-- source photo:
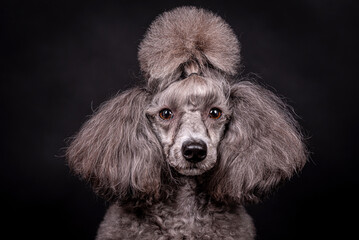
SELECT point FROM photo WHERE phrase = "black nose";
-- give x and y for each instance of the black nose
(194, 151)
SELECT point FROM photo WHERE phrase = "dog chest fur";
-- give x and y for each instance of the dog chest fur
(188, 214)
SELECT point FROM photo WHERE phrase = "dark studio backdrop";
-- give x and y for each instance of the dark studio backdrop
(62, 59)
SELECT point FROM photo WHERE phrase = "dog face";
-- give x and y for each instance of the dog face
(189, 118)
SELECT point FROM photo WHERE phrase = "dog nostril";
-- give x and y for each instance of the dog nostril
(194, 151)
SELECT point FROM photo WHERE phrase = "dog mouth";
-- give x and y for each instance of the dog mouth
(190, 169)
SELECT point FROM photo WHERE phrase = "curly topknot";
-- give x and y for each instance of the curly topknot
(188, 34)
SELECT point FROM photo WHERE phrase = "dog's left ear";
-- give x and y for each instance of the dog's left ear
(261, 146)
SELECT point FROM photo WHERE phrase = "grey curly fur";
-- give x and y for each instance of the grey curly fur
(133, 158)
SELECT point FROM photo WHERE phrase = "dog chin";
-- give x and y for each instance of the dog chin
(192, 170)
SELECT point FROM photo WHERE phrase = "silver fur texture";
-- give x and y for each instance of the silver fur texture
(137, 149)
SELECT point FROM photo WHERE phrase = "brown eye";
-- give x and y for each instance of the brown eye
(166, 114)
(215, 113)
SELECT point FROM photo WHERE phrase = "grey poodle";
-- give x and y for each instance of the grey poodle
(179, 156)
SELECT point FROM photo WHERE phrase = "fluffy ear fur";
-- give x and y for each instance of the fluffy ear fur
(183, 35)
(261, 147)
(116, 149)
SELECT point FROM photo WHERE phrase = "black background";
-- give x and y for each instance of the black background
(62, 59)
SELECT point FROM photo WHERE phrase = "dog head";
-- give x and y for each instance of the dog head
(190, 117)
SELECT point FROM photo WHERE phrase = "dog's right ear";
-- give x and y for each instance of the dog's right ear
(117, 151)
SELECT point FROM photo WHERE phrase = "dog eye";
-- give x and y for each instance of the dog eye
(215, 113)
(166, 114)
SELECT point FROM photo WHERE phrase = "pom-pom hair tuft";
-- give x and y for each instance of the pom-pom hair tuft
(185, 35)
